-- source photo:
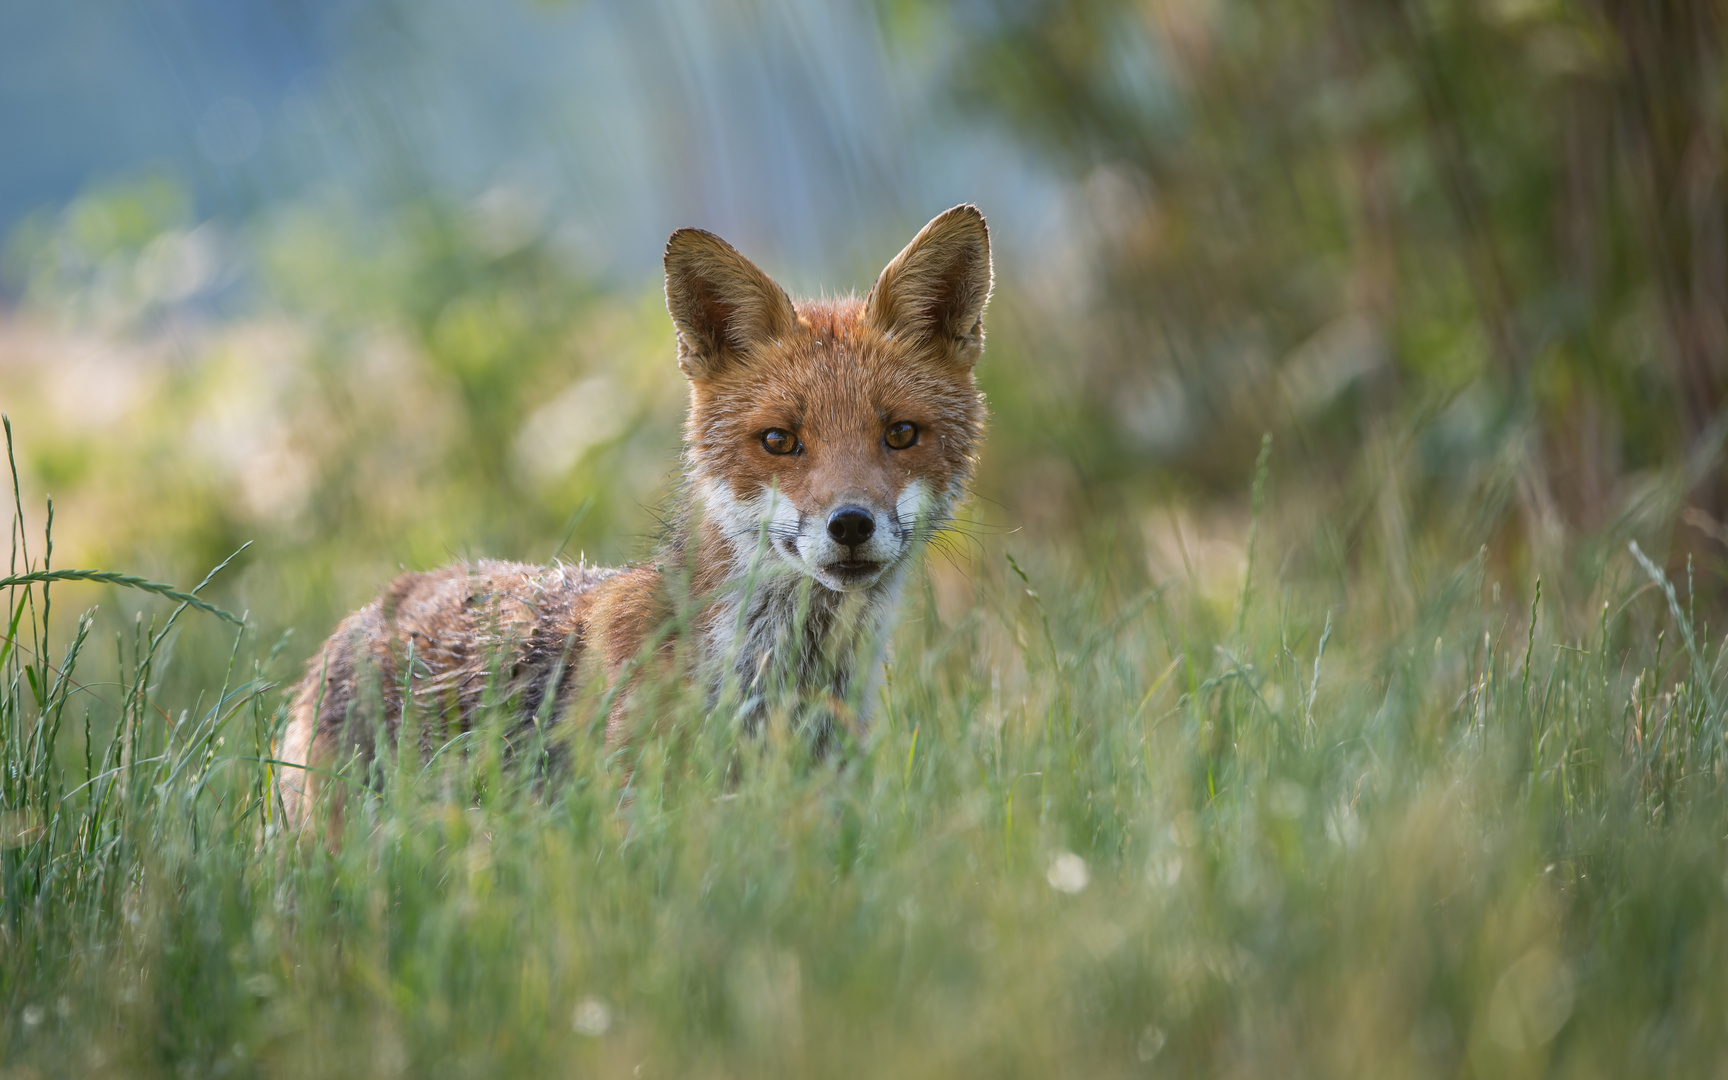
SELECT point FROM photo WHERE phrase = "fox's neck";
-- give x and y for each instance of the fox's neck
(771, 637)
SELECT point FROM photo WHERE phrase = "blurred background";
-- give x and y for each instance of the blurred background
(375, 283)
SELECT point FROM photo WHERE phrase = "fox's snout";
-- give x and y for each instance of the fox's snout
(846, 543)
(853, 553)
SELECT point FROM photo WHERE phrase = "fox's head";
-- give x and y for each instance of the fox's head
(835, 434)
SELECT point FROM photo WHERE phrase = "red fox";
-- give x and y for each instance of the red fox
(826, 441)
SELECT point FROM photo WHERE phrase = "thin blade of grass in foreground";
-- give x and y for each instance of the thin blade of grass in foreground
(129, 581)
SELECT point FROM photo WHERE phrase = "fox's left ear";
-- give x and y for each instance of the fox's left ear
(933, 293)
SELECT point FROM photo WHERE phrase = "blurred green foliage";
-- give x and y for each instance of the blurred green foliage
(408, 391)
(1461, 259)
(1483, 244)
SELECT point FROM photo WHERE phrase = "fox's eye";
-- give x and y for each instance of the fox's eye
(778, 441)
(901, 435)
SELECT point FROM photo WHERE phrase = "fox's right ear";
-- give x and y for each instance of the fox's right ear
(721, 304)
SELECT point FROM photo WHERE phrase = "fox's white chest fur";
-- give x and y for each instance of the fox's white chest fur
(781, 642)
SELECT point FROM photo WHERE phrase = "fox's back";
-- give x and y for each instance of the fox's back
(448, 638)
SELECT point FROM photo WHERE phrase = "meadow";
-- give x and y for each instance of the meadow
(1324, 678)
(1139, 803)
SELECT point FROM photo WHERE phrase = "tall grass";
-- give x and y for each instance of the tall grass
(1103, 825)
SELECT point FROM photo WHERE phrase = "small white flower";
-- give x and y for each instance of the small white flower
(1067, 873)
(1532, 1001)
(591, 1017)
(1151, 1041)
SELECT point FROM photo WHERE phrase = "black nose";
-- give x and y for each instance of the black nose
(851, 525)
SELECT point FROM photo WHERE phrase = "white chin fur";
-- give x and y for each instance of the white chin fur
(851, 583)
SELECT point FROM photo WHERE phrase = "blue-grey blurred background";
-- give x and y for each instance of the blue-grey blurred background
(796, 129)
